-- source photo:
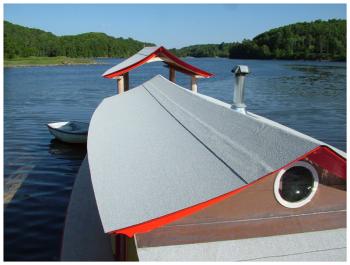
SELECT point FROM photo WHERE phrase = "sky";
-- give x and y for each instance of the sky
(170, 25)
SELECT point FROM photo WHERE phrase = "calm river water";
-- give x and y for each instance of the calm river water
(307, 96)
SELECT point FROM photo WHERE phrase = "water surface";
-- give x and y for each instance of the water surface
(39, 172)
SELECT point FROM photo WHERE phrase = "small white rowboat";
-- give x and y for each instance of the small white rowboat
(69, 131)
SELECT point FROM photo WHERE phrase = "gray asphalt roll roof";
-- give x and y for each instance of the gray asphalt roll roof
(160, 148)
(84, 239)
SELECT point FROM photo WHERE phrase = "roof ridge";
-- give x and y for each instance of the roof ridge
(196, 137)
(227, 141)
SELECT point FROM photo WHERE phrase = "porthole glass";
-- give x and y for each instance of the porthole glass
(296, 185)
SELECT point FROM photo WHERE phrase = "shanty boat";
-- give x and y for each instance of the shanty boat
(183, 176)
(69, 131)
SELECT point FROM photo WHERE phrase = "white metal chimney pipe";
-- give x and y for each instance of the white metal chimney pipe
(240, 71)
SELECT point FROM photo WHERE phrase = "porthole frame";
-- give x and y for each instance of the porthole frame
(304, 201)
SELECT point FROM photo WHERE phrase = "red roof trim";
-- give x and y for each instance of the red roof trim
(192, 68)
(328, 159)
(167, 54)
(322, 155)
(181, 70)
(129, 68)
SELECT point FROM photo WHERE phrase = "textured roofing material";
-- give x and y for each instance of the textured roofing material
(131, 60)
(146, 55)
(161, 148)
(82, 216)
(328, 245)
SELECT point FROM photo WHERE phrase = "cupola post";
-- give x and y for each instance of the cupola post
(171, 74)
(126, 81)
(120, 84)
(194, 87)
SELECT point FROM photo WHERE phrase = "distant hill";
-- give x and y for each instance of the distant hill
(318, 40)
(204, 50)
(21, 41)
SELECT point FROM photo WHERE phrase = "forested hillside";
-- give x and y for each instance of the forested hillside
(204, 50)
(23, 42)
(318, 40)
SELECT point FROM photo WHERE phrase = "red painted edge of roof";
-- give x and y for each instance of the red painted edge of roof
(166, 53)
(321, 155)
(184, 64)
(129, 68)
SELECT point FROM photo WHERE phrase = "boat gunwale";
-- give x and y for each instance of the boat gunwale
(85, 132)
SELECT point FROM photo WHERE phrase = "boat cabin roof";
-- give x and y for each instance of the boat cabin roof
(151, 54)
(161, 152)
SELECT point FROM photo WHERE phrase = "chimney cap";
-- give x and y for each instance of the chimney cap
(240, 70)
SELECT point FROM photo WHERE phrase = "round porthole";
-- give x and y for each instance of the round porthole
(296, 185)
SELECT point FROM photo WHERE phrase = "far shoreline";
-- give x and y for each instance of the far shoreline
(33, 61)
(48, 65)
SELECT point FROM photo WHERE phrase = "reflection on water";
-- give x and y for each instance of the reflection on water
(34, 214)
(317, 79)
(39, 172)
(63, 150)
